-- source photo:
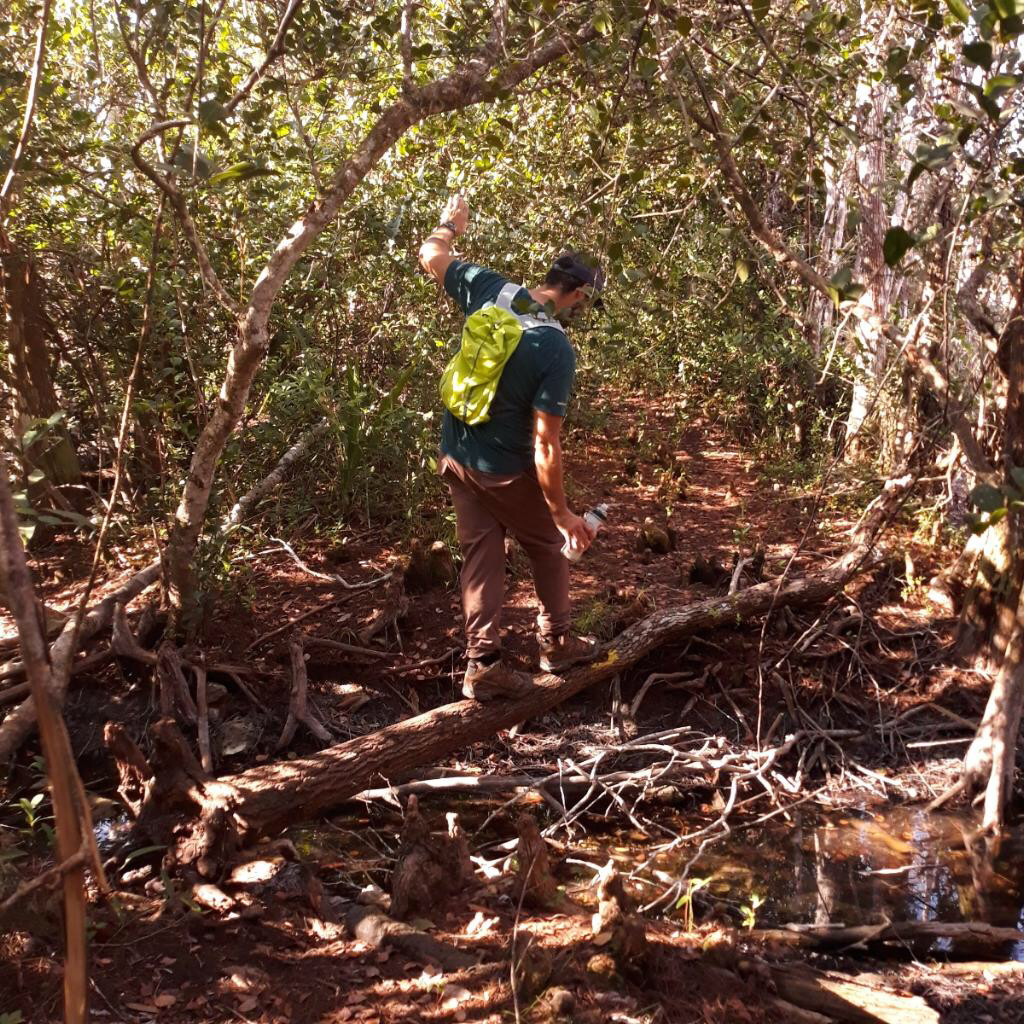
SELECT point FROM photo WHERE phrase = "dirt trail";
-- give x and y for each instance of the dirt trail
(160, 957)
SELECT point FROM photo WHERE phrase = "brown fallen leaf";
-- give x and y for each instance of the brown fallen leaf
(165, 999)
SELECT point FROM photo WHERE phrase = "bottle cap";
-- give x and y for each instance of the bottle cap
(600, 512)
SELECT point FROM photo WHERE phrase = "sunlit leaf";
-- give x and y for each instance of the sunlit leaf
(242, 171)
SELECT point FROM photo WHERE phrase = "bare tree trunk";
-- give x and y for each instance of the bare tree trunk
(35, 397)
(869, 353)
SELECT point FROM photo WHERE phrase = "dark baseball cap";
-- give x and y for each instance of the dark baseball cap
(572, 264)
(591, 278)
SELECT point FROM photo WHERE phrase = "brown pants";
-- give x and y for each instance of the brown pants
(486, 507)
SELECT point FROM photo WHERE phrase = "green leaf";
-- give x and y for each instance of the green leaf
(760, 8)
(603, 23)
(959, 10)
(896, 244)
(36, 476)
(242, 171)
(684, 25)
(1008, 8)
(212, 111)
(997, 85)
(979, 53)
(987, 498)
(1017, 476)
(742, 270)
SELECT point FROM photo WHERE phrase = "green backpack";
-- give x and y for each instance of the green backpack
(489, 337)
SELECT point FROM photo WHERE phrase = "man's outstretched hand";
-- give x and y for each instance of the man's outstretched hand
(457, 211)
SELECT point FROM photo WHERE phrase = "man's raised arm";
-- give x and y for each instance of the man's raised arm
(436, 252)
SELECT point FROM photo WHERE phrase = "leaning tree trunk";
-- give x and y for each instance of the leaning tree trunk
(35, 397)
(990, 761)
(482, 78)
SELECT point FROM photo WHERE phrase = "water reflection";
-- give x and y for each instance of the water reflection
(903, 864)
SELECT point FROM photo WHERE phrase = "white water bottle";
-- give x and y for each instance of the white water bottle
(596, 519)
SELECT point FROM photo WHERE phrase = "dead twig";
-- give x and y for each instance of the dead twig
(203, 738)
(298, 707)
(76, 860)
(340, 645)
(292, 623)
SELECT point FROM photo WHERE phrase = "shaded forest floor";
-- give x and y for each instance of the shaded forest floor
(159, 953)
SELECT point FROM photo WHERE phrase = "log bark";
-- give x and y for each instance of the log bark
(846, 1000)
(272, 796)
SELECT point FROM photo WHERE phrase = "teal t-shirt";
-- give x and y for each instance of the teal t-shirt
(538, 375)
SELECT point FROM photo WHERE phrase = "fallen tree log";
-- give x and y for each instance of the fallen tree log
(270, 797)
(20, 722)
(832, 937)
(848, 1000)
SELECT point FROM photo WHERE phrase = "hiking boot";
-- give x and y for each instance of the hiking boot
(558, 653)
(486, 682)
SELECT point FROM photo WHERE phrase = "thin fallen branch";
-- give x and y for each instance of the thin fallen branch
(817, 936)
(203, 723)
(48, 877)
(19, 723)
(298, 706)
(292, 623)
(251, 498)
(341, 645)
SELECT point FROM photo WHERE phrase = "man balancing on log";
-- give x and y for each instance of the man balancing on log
(505, 394)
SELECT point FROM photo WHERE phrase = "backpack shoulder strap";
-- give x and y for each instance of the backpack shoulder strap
(505, 299)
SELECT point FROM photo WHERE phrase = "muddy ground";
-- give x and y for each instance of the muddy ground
(159, 954)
